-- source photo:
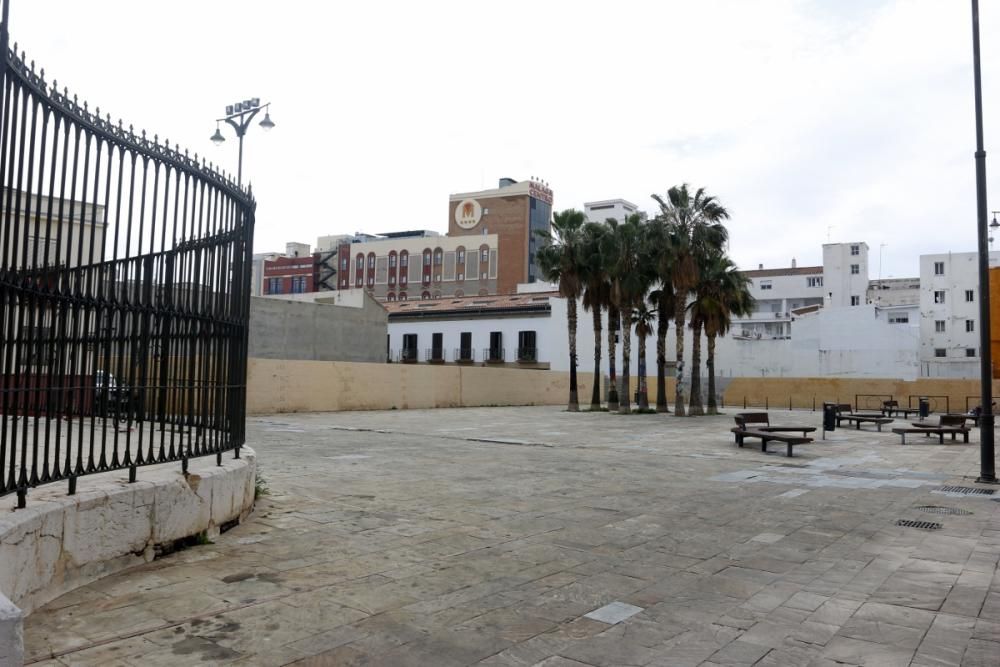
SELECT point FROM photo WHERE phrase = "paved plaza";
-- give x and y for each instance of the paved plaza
(532, 536)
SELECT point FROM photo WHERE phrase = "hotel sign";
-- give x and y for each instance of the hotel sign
(539, 191)
(468, 213)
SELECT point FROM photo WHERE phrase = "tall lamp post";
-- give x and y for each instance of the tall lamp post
(239, 116)
(987, 464)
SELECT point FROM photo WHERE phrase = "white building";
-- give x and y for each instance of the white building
(777, 293)
(600, 211)
(845, 273)
(949, 314)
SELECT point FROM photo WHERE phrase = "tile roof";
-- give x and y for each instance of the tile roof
(498, 302)
(789, 271)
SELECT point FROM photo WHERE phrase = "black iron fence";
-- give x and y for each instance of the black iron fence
(124, 278)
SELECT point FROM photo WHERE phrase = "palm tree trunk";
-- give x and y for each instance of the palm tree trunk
(679, 336)
(713, 408)
(662, 324)
(696, 405)
(643, 396)
(595, 395)
(574, 403)
(623, 404)
(612, 376)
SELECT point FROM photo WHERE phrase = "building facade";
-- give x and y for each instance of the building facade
(515, 212)
(618, 209)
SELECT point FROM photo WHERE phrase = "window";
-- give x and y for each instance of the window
(765, 284)
(526, 349)
(460, 277)
(358, 282)
(939, 296)
(899, 319)
(939, 352)
(855, 300)
(814, 281)
(402, 279)
(274, 286)
(427, 259)
(371, 261)
(298, 284)
(402, 296)
(969, 298)
(496, 346)
(938, 268)
(361, 262)
(437, 347)
(465, 346)
(343, 263)
(437, 258)
(409, 351)
(970, 325)
(392, 280)
(970, 351)
(39, 353)
(484, 256)
(855, 250)
(855, 269)
(404, 259)
(392, 261)
(938, 326)
(483, 277)
(461, 257)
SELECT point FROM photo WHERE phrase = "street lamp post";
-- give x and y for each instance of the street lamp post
(239, 116)
(994, 226)
(987, 469)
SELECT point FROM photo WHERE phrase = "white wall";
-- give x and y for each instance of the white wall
(838, 282)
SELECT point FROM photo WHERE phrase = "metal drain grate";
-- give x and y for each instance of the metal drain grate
(966, 490)
(925, 525)
(934, 509)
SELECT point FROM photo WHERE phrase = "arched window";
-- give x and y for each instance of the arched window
(404, 258)
(427, 257)
(402, 296)
(460, 254)
(425, 295)
(438, 256)
(390, 296)
(371, 260)
(361, 261)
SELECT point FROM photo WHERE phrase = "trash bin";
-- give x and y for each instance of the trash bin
(925, 407)
(829, 416)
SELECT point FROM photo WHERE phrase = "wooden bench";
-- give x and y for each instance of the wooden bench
(947, 425)
(860, 419)
(758, 425)
(890, 407)
(760, 421)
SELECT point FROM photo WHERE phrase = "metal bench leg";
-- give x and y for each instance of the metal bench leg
(789, 453)
(903, 435)
(966, 434)
(763, 446)
(940, 438)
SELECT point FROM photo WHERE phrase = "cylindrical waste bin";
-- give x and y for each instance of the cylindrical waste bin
(925, 407)
(829, 416)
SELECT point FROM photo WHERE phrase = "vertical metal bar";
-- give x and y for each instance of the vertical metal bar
(987, 463)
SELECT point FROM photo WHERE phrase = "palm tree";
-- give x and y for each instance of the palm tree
(727, 294)
(559, 260)
(629, 271)
(693, 229)
(662, 300)
(614, 326)
(596, 296)
(643, 318)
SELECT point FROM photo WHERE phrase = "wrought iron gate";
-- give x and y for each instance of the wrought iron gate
(124, 278)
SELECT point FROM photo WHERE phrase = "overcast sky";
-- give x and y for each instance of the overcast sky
(847, 120)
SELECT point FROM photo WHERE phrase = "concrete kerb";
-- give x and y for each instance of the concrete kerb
(59, 543)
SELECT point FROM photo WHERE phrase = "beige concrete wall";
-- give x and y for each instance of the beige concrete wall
(285, 385)
(776, 392)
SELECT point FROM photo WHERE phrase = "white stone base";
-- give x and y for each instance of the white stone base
(60, 542)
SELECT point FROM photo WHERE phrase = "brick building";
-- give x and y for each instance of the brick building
(514, 212)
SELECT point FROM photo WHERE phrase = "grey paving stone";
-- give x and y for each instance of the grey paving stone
(616, 612)
(409, 543)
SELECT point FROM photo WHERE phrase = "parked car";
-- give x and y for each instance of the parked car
(113, 398)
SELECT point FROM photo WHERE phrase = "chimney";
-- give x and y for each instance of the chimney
(760, 267)
(793, 262)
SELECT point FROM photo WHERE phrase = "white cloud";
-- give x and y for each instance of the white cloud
(802, 116)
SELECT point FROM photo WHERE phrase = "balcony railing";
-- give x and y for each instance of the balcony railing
(527, 354)
(434, 355)
(465, 355)
(493, 355)
(408, 355)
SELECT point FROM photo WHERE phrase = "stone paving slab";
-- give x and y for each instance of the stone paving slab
(487, 536)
